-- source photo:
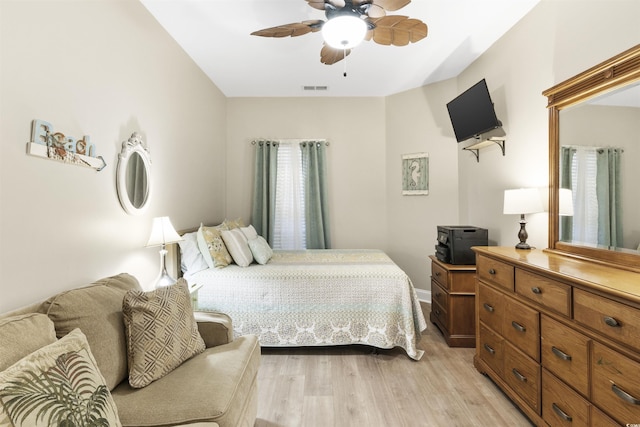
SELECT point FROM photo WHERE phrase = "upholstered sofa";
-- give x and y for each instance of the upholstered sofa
(216, 387)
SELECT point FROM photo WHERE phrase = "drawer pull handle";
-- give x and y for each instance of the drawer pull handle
(488, 307)
(437, 274)
(518, 327)
(492, 271)
(561, 413)
(536, 290)
(489, 349)
(438, 294)
(561, 354)
(612, 322)
(437, 312)
(518, 375)
(624, 395)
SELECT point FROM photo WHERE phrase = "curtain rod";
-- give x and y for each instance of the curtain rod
(291, 141)
(592, 147)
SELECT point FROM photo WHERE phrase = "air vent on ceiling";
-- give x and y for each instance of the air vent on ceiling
(315, 88)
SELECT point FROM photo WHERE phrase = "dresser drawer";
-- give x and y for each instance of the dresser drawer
(495, 272)
(549, 293)
(561, 406)
(613, 319)
(439, 314)
(599, 419)
(565, 352)
(490, 307)
(439, 295)
(440, 275)
(522, 327)
(491, 346)
(463, 282)
(523, 375)
(615, 387)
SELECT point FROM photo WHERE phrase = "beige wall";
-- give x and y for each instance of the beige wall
(355, 129)
(102, 68)
(555, 41)
(417, 121)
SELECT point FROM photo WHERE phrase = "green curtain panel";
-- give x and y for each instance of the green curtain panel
(316, 210)
(608, 194)
(264, 188)
(566, 222)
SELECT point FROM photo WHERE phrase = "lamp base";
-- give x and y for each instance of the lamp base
(523, 235)
(163, 279)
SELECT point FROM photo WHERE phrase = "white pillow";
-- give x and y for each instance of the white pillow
(260, 250)
(249, 232)
(191, 259)
(237, 246)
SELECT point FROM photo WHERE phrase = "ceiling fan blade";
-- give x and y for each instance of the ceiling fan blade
(375, 11)
(397, 30)
(330, 55)
(320, 4)
(292, 30)
(391, 4)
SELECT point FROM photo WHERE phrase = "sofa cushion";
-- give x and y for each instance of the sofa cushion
(214, 386)
(97, 311)
(30, 389)
(161, 332)
(22, 335)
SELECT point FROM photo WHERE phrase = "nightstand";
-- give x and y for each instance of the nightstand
(453, 302)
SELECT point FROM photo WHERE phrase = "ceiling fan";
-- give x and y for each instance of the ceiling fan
(396, 30)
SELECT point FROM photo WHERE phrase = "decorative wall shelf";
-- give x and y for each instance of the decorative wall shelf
(39, 150)
(476, 146)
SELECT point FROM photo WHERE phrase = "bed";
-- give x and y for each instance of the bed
(317, 298)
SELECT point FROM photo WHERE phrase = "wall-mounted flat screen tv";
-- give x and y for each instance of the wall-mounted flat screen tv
(472, 112)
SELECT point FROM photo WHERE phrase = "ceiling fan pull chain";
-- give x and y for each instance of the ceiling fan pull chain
(344, 53)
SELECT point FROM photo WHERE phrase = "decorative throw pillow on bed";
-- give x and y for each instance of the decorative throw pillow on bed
(55, 384)
(233, 223)
(212, 246)
(161, 332)
(191, 259)
(249, 232)
(237, 245)
(260, 250)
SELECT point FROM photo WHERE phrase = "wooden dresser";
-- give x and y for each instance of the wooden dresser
(453, 302)
(560, 336)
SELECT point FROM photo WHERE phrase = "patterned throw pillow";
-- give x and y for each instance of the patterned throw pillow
(59, 384)
(212, 246)
(230, 224)
(161, 332)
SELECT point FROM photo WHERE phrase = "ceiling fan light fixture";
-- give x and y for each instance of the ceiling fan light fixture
(344, 31)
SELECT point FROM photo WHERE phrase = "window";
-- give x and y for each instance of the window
(289, 221)
(290, 194)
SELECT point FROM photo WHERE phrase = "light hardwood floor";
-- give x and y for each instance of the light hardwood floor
(355, 386)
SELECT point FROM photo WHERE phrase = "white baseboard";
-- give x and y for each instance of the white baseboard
(424, 295)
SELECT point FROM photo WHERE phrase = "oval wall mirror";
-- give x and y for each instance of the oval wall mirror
(133, 175)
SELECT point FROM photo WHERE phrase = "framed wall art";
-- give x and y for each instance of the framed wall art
(415, 174)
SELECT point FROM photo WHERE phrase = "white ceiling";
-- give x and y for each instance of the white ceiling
(216, 34)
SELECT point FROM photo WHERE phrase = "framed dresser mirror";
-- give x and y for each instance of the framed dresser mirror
(594, 157)
(133, 175)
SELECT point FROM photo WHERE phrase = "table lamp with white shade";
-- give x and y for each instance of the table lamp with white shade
(522, 201)
(162, 234)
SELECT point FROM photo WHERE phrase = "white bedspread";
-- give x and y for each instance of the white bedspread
(316, 298)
